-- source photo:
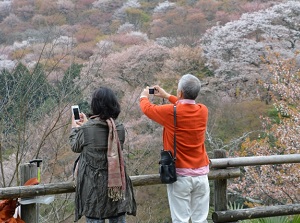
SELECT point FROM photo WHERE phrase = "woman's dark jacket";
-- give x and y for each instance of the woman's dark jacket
(91, 196)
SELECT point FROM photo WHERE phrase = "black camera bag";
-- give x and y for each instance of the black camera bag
(167, 168)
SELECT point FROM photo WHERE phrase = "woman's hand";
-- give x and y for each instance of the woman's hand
(83, 119)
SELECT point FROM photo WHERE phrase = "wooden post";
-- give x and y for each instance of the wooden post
(220, 186)
(29, 212)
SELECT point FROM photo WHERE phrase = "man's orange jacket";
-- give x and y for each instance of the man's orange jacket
(190, 130)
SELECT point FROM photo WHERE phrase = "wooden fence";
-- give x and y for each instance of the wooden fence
(222, 168)
(221, 214)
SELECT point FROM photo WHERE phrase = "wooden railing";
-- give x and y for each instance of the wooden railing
(221, 214)
(222, 168)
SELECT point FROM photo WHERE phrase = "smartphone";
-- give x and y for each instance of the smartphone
(75, 112)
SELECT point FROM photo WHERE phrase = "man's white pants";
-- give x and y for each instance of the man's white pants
(189, 199)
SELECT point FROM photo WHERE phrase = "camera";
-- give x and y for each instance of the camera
(151, 90)
(75, 112)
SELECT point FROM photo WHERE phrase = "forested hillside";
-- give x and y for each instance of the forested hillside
(55, 53)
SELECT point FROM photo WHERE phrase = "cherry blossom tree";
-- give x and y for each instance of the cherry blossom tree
(237, 47)
(183, 25)
(131, 67)
(182, 60)
(121, 12)
(65, 6)
(276, 184)
(163, 7)
(5, 9)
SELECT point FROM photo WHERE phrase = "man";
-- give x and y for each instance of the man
(189, 195)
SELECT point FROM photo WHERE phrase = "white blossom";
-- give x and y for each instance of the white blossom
(104, 47)
(5, 6)
(138, 34)
(164, 6)
(20, 45)
(121, 12)
(64, 41)
(125, 28)
(165, 41)
(7, 64)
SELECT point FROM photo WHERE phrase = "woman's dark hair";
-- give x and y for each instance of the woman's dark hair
(105, 104)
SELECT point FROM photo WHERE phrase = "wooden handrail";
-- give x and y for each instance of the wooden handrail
(69, 187)
(257, 212)
(254, 160)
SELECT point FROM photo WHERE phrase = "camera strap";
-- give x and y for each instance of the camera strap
(174, 132)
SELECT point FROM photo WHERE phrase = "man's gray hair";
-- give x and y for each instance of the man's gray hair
(190, 86)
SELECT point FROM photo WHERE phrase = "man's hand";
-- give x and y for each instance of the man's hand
(160, 92)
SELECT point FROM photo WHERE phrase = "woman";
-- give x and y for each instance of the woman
(103, 189)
